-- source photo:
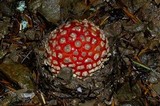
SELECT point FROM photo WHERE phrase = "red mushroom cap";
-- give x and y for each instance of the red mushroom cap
(80, 45)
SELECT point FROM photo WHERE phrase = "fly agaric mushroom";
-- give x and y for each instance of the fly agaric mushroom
(80, 45)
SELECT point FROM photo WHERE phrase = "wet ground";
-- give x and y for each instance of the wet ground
(130, 77)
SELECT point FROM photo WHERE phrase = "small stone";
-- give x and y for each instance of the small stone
(65, 73)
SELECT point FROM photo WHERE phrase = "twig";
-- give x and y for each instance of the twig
(26, 56)
(147, 68)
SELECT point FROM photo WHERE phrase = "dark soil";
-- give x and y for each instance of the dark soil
(131, 76)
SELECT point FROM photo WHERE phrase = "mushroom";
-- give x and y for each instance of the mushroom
(80, 45)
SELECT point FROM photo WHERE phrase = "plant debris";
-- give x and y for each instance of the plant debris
(131, 76)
